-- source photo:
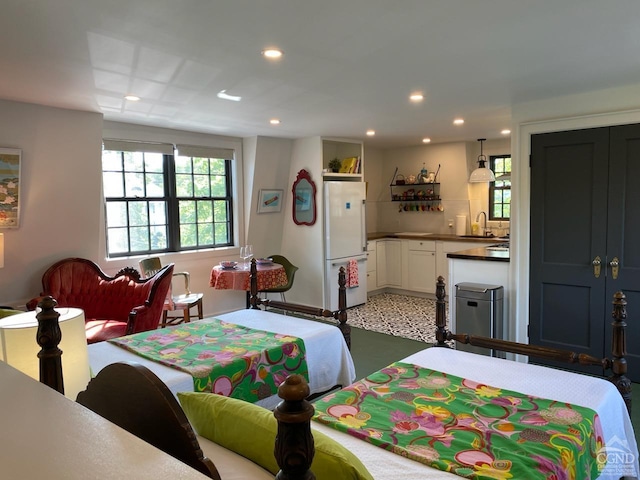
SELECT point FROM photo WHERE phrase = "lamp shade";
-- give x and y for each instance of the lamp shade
(19, 348)
(482, 174)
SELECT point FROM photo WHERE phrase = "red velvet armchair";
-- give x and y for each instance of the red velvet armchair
(113, 306)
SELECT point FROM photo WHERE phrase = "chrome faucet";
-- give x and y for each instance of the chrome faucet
(484, 228)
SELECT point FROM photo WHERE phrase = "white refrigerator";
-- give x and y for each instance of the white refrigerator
(345, 239)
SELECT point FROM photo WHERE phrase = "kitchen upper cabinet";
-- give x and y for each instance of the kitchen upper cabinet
(421, 266)
(585, 239)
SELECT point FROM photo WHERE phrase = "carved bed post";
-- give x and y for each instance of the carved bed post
(48, 337)
(294, 447)
(619, 348)
(342, 307)
(441, 314)
(253, 280)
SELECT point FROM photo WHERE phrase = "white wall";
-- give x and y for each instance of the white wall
(376, 187)
(456, 161)
(267, 165)
(60, 193)
(303, 244)
(61, 199)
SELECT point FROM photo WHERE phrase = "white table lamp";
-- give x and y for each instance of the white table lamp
(19, 348)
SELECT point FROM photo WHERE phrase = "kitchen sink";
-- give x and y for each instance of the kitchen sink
(498, 248)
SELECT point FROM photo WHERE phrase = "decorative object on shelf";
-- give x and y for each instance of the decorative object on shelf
(423, 176)
(269, 200)
(304, 199)
(420, 207)
(335, 165)
(349, 165)
(426, 194)
(398, 178)
(10, 187)
(435, 177)
(482, 173)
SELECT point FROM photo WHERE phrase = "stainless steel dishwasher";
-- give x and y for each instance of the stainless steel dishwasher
(479, 310)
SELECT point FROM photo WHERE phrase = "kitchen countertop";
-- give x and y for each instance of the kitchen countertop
(435, 236)
(484, 252)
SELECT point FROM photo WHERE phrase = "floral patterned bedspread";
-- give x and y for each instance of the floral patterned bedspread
(222, 357)
(467, 428)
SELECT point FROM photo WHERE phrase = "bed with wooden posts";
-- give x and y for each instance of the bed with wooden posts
(322, 346)
(500, 383)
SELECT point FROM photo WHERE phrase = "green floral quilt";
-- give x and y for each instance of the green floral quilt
(222, 357)
(467, 428)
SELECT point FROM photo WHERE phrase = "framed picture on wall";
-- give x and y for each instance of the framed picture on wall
(270, 200)
(10, 187)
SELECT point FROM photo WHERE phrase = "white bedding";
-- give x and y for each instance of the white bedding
(328, 357)
(595, 393)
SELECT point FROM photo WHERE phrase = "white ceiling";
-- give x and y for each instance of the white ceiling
(348, 65)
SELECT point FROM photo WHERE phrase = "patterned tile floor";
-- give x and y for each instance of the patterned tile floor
(398, 315)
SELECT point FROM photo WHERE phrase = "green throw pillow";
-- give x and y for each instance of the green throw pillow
(6, 312)
(250, 431)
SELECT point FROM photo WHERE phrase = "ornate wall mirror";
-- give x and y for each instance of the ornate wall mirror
(304, 199)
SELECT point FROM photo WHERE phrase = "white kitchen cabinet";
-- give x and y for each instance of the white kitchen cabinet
(411, 265)
(372, 277)
(389, 263)
(420, 266)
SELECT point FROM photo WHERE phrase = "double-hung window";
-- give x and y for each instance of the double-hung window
(161, 198)
(500, 190)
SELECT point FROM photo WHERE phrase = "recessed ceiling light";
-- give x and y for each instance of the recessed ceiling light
(132, 98)
(272, 53)
(274, 121)
(506, 131)
(458, 121)
(371, 133)
(225, 96)
(426, 140)
(416, 97)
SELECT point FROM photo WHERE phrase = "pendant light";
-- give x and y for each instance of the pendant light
(482, 173)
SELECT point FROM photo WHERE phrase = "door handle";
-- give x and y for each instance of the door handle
(615, 265)
(597, 262)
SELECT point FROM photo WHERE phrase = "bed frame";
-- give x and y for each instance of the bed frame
(294, 448)
(617, 364)
(340, 315)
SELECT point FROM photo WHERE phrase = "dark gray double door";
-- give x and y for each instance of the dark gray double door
(585, 217)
